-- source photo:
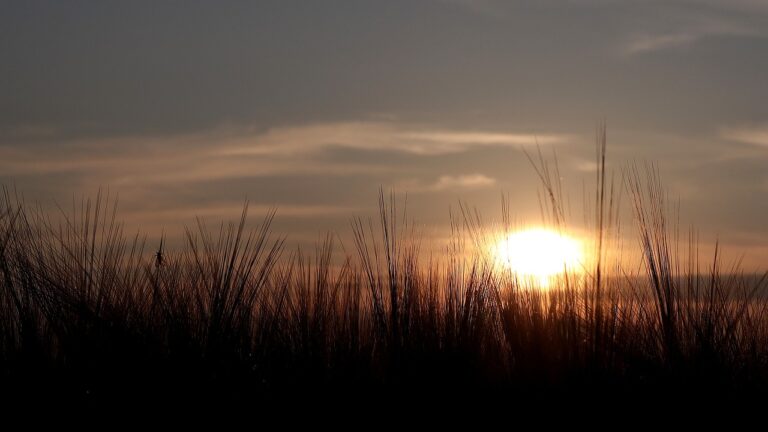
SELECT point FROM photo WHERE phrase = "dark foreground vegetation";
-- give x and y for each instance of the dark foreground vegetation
(89, 314)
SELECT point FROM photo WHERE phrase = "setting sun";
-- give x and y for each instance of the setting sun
(539, 254)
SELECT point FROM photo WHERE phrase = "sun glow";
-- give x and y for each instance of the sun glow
(539, 254)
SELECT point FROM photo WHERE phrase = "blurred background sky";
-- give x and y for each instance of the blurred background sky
(187, 108)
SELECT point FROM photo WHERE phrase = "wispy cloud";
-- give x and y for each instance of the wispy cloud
(228, 210)
(757, 136)
(687, 30)
(167, 163)
(380, 136)
(472, 181)
(583, 165)
(447, 183)
(245, 152)
(647, 43)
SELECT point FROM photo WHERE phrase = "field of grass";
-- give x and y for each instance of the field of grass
(89, 314)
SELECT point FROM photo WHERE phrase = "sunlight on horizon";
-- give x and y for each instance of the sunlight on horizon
(539, 254)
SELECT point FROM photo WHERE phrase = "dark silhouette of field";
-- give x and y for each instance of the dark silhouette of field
(88, 315)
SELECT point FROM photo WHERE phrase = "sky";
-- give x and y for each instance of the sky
(186, 109)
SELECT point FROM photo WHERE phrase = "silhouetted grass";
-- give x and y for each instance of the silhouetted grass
(87, 313)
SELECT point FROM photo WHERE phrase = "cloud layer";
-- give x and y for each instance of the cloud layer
(222, 154)
(312, 107)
